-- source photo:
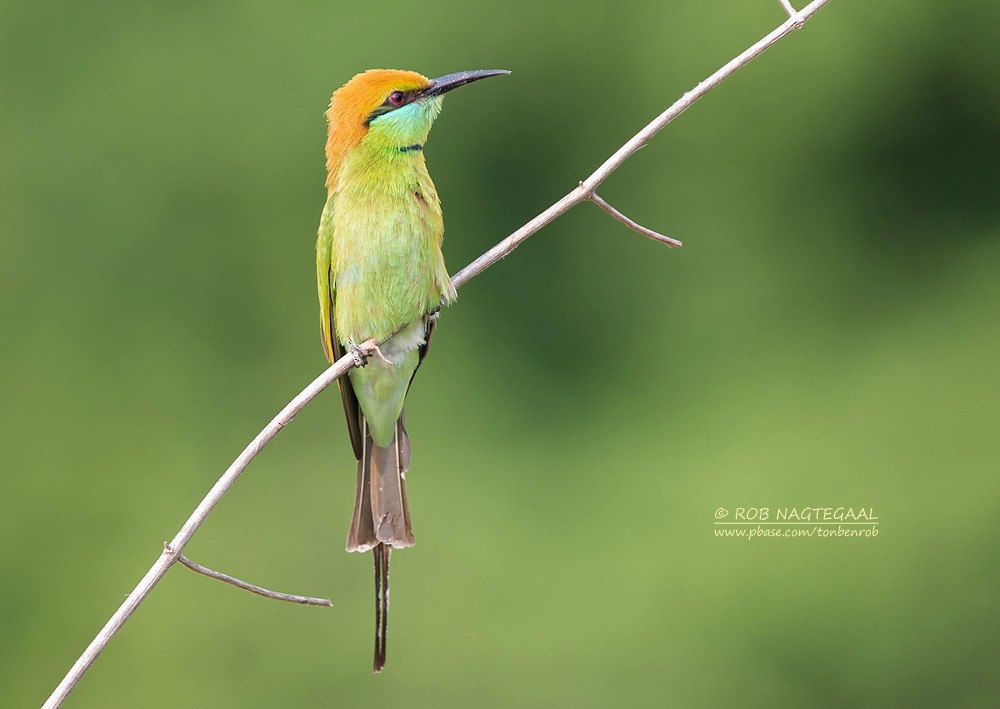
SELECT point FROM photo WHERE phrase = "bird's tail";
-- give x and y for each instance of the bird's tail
(381, 553)
(381, 518)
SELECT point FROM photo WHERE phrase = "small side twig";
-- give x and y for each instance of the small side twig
(654, 235)
(252, 588)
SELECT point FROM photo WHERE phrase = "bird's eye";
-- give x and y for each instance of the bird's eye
(397, 98)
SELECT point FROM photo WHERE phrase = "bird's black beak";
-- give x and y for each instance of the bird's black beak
(444, 84)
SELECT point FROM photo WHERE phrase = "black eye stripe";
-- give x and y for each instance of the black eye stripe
(403, 98)
(390, 105)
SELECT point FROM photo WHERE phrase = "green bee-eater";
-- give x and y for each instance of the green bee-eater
(380, 271)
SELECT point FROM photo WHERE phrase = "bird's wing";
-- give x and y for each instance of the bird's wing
(428, 332)
(326, 280)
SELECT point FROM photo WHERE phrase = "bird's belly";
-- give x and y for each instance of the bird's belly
(382, 284)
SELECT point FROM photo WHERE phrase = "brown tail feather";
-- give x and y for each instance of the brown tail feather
(381, 511)
(361, 536)
(381, 518)
(381, 554)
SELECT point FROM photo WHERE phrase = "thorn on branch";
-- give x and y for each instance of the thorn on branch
(656, 236)
(233, 581)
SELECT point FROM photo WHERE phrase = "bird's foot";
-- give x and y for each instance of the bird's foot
(362, 352)
(360, 358)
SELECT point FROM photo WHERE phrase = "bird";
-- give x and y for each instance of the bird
(381, 275)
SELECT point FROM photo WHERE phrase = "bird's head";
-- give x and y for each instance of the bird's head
(392, 106)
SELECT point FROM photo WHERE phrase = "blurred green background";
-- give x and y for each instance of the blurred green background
(828, 336)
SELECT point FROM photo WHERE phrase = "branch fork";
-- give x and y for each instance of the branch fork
(793, 14)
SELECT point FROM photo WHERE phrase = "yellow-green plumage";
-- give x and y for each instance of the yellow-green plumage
(380, 242)
(386, 238)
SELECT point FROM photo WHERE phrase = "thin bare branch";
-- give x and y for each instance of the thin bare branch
(252, 588)
(655, 235)
(580, 193)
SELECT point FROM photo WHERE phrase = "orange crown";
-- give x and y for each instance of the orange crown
(352, 103)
